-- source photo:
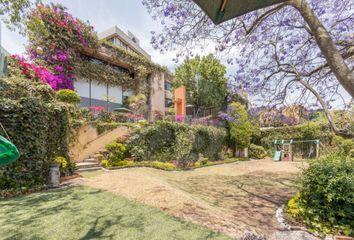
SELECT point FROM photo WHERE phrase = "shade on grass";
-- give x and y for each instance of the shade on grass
(87, 213)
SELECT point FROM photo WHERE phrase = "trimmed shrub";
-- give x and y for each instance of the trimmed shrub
(165, 141)
(257, 152)
(326, 195)
(68, 96)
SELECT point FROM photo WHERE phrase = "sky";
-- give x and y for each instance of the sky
(127, 15)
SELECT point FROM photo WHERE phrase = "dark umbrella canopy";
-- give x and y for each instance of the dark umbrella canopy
(222, 10)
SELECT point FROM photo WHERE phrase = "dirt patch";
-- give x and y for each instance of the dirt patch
(230, 198)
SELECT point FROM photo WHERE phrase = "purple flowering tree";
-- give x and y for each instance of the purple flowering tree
(298, 50)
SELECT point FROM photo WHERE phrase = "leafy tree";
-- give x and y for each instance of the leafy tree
(240, 127)
(14, 12)
(204, 79)
(299, 47)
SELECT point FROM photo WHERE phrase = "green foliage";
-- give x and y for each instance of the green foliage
(257, 152)
(39, 130)
(166, 141)
(327, 195)
(241, 127)
(293, 207)
(103, 73)
(116, 155)
(68, 96)
(14, 12)
(66, 167)
(204, 79)
(346, 145)
(137, 103)
(164, 166)
(305, 131)
(38, 126)
(15, 88)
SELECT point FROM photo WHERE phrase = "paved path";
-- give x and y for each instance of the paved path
(230, 198)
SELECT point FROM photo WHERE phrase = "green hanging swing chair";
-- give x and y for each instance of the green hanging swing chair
(8, 151)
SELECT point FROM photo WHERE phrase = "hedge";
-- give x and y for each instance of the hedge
(166, 141)
(306, 131)
(39, 130)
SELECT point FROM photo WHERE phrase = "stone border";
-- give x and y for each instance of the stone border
(279, 214)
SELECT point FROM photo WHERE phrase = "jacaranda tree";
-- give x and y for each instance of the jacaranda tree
(302, 48)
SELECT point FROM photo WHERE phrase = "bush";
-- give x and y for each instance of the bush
(68, 96)
(327, 195)
(346, 145)
(166, 141)
(163, 166)
(67, 167)
(257, 152)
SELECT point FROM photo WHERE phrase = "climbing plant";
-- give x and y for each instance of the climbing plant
(58, 41)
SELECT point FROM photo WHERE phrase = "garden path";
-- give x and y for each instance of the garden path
(230, 198)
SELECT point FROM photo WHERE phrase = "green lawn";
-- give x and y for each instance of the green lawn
(87, 213)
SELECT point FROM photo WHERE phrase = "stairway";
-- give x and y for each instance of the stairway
(89, 164)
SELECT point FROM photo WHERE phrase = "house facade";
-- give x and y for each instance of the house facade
(95, 93)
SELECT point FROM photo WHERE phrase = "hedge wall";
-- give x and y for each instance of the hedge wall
(306, 131)
(39, 130)
(166, 141)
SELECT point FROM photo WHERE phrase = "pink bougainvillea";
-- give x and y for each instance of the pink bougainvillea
(36, 72)
(54, 36)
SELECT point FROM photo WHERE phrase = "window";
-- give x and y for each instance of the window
(168, 86)
(168, 102)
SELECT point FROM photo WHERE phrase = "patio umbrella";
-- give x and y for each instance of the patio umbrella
(222, 10)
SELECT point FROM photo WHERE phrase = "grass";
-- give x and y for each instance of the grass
(88, 213)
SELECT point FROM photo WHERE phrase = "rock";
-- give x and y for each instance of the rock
(249, 235)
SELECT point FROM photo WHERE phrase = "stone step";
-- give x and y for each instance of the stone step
(82, 165)
(92, 160)
(88, 169)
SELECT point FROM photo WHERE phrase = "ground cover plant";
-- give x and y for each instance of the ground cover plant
(326, 195)
(56, 214)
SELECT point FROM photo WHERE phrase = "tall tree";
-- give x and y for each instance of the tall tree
(13, 12)
(204, 79)
(239, 125)
(299, 47)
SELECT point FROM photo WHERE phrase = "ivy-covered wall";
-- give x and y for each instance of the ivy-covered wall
(39, 130)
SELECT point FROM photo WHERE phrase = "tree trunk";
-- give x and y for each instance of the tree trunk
(328, 114)
(326, 45)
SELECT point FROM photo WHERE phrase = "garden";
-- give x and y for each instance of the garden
(244, 159)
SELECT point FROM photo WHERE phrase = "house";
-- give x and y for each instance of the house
(111, 96)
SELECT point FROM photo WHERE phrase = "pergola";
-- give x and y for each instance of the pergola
(222, 10)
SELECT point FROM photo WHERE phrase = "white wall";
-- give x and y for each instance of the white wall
(98, 91)
(82, 88)
(115, 94)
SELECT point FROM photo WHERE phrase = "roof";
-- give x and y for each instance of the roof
(222, 10)
(128, 39)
